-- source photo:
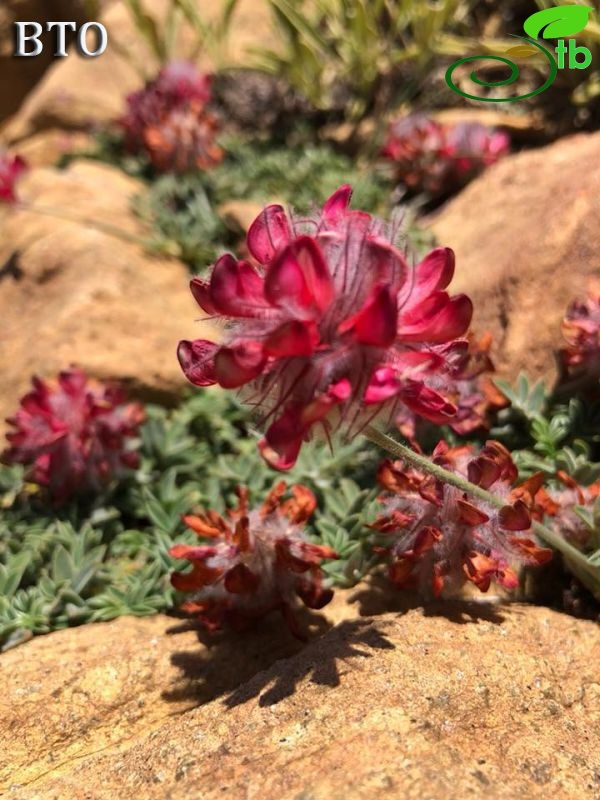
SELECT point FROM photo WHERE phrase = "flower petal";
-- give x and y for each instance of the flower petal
(197, 361)
(282, 441)
(427, 402)
(432, 274)
(515, 517)
(236, 288)
(201, 292)
(337, 205)
(470, 514)
(237, 365)
(241, 580)
(293, 338)
(298, 280)
(383, 385)
(268, 233)
(437, 319)
(375, 324)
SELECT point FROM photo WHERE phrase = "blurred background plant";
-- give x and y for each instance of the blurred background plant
(354, 58)
(162, 34)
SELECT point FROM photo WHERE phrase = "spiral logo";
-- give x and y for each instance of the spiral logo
(521, 50)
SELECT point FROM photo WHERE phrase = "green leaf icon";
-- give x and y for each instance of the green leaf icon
(557, 22)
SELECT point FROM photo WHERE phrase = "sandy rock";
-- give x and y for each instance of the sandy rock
(46, 148)
(526, 238)
(477, 701)
(74, 293)
(79, 93)
(19, 75)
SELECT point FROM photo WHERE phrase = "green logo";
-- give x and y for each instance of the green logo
(550, 23)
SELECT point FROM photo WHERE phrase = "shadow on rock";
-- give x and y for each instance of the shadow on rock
(260, 662)
(348, 640)
(380, 597)
(256, 663)
(226, 659)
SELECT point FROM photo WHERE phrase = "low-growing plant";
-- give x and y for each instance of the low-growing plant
(353, 58)
(436, 159)
(168, 121)
(161, 33)
(331, 329)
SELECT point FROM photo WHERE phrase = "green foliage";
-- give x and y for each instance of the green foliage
(548, 436)
(301, 176)
(183, 211)
(352, 54)
(96, 561)
(160, 32)
(183, 219)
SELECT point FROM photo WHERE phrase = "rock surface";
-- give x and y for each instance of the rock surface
(73, 293)
(79, 93)
(527, 239)
(19, 75)
(480, 701)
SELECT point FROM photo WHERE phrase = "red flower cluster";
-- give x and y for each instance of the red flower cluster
(435, 158)
(581, 329)
(11, 168)
(72, 434)
(257, 561)
(329, 325)
(469, 388)
(168, 120)
(437, 537)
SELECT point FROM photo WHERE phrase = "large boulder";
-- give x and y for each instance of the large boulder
(527, 240)
(457, 700)
(74, 291)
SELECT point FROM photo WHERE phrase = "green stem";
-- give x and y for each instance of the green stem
(588, 574)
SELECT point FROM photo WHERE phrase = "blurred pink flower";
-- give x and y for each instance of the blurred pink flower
(434, 158)
(168, 120)
(581, 329)
(11, 169)
(330, 326)
(72, 434)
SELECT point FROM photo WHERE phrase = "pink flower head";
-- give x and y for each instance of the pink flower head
(254, 562)
(329, 324)
(437, 537)
(72, 434)
(581, 329)
(435, 158)
(11, 169)
(473, 146)
(168, 120)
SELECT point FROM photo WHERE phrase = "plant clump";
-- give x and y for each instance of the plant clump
(437, 537)
(255, 561)
(169, 121)
(429, 157)
(73, 434)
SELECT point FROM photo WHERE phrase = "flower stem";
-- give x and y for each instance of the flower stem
(587, 573)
